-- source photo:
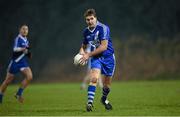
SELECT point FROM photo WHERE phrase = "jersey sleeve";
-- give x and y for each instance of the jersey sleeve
(19, 43)
(104, 33)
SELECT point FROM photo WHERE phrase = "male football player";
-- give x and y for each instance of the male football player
(102, 58)
(18, 63)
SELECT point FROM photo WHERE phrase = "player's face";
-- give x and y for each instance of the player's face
(91, 21)
(24, 30)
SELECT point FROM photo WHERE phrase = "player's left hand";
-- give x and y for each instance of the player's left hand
(84, 58)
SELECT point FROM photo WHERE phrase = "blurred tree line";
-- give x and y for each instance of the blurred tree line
(145, 33)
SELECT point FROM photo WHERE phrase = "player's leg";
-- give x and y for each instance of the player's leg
(87, 77)
(100, 82)
(28, 77)
(6, 82)
(108, 71)
(105, 92)
(94, 75)
(85, 80)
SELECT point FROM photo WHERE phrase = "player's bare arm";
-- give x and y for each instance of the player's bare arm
(19, 49)
(82, 49)
(100, 49)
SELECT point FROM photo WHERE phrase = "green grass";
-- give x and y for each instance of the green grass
(139, 98)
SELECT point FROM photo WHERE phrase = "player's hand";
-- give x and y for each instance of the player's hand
(84, 58)
(25, 51)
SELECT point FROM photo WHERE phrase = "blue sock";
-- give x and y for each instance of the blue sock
(105, 92)
(91, 93)
(1, 97)
(20, 91)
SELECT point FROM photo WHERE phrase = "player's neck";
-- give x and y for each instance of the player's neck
(92, 28)
(23, 36)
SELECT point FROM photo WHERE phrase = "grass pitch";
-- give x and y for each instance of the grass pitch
(139, 98)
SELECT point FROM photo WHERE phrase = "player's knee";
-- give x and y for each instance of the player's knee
(106, 85)
(29, 77)
(94, 80)
(8, 81)
(107, 82)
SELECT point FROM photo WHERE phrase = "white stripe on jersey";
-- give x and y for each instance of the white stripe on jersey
(15, 48)
(16, 42)
(114, 64)
(104, 29)
(20, 57)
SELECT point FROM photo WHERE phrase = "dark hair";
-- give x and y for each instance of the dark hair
(90, 12)
(21, 25)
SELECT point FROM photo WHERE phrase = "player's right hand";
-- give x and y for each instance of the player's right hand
(25, 51)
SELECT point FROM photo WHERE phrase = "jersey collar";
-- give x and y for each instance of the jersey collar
(94, 27)
(24, 38)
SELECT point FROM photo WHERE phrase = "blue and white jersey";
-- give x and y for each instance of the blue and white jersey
(95, 36)
(19, 59)
(19, 42)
